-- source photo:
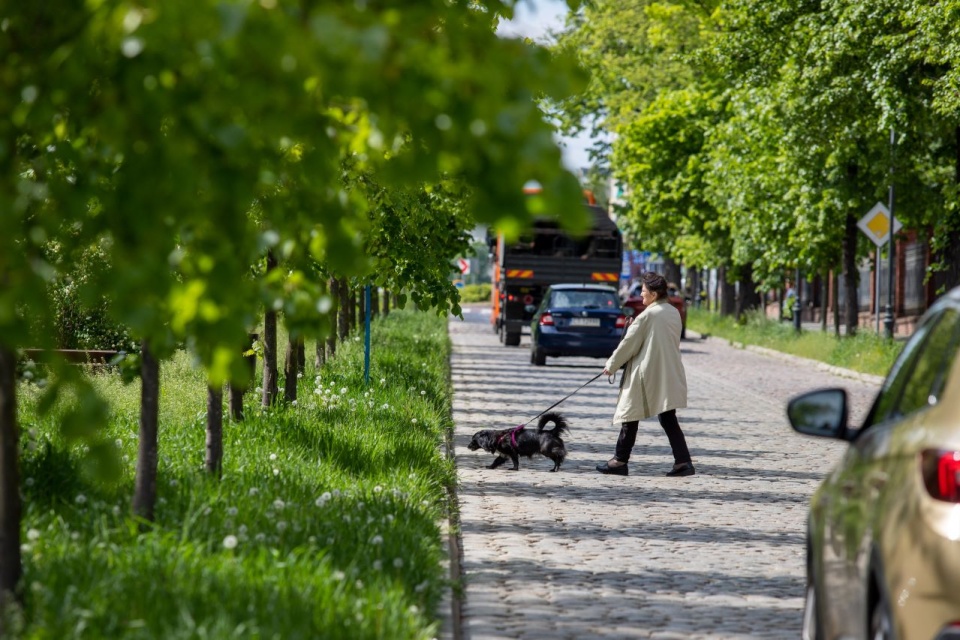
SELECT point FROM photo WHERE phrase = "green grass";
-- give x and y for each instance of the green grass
(475, 293)
(326, 523)
(865, 352)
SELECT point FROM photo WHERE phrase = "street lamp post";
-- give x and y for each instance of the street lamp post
(797, 307)
(888, 316)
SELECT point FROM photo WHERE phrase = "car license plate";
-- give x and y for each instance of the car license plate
(584, 322)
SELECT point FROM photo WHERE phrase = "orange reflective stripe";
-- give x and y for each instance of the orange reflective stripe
(519, 273)
(604, 277)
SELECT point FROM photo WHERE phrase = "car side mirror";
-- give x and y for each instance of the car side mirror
(530, 308)
(820, 413)
(627, 311)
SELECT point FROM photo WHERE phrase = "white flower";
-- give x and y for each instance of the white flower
(294, 403)
(377, 489)
(80, 499)
(423, 393)
(343, 390)
(383, 380)
(259, 389)
(33, 535)
(230, 542)
(299, 375)
(398, 562)
(377, 539)
(323, 499)
(276, 472)
(273, 456)
(336, 493)
(231, 511)
(414, 421)
(279, 504)
(339, 575)
(377, 565)
(260, 537)
(173, 483)
(28, 482)
(281, 526)
(243, 529)
(253, 491)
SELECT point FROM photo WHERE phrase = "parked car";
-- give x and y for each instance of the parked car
(883, 539)
(576, 320)
(635, 302)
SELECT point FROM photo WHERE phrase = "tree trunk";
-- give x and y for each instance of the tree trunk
(949, 257)
(237, 391)
(671, 271)
(850, 274)
(10, 508)
(836, 303)
(145, 482)
(728, 293)
(374, 301)
(270, 383)
(343, 316)
(320, 357)
(214, 432)
(334, 317)
(291, 369)
(386, 303)
(749, 298)
(352, 304)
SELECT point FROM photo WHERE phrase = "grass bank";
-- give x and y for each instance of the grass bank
(326, 523)
(864, 352)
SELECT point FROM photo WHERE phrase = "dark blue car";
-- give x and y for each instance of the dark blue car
(576, 320)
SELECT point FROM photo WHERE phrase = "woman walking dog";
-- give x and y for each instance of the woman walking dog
(654, 382)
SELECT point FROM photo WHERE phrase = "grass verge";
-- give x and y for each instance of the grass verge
(865, 352)
(326, 523)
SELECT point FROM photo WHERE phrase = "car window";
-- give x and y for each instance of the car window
(587, 299)
(917, 378)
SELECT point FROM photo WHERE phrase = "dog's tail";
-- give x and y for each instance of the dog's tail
(559, 423)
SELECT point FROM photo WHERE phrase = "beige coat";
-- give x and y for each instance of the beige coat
(653, 380)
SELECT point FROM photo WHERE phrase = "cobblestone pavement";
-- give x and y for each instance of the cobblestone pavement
(576, 554)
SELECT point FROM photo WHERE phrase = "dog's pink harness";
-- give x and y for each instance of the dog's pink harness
(513, 435)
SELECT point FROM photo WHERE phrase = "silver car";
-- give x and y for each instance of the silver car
(883, 540)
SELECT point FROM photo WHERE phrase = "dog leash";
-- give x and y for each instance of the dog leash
(513, 432)
(560, 400)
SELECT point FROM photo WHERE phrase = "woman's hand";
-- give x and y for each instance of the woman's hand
(605, 371)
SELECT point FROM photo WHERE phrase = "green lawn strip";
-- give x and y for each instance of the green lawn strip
(865, 352)
(326, 522)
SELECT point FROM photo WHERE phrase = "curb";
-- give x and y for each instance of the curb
(820, 366)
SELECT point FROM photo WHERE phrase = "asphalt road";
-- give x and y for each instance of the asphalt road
(576, 554)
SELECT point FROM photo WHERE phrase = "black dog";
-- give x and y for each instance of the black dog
(513, 443)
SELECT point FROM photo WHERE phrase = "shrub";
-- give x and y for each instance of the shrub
(475, 293)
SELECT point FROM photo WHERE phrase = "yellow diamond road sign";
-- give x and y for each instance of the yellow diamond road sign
(876, 224)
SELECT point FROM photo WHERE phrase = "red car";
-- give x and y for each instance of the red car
(635, 302)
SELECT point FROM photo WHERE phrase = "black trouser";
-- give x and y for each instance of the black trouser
(668, 420)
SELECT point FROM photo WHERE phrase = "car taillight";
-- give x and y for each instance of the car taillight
(546, 320)
(511, 298)
(621, 322)
(941, 474)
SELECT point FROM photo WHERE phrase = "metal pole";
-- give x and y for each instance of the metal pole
(796, 302)
(366, 335)
(876, 305)
(888, 317)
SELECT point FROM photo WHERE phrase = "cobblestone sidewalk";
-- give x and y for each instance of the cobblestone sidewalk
(577, 555)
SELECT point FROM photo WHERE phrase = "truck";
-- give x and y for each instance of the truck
(546, 255)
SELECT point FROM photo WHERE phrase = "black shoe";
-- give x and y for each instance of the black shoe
(614, 471)
(685, 470)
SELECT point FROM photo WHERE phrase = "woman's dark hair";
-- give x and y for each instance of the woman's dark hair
(655, 283)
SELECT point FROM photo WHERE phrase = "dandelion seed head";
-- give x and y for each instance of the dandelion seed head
(230, 542)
